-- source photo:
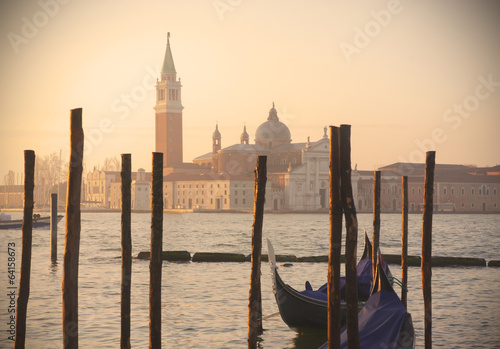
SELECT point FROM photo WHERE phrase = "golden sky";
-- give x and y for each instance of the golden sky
(409, 76)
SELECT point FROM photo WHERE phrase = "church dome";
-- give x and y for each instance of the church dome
(272, 132)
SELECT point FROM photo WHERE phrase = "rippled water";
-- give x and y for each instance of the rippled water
(205, 305)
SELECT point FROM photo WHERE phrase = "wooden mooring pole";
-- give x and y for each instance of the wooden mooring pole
(155, 262)
(351, 239)
(404, 242)
(53, 227)
(126, 241)
(254, 296)
(27, 228)
(377, 180)
(72, 234)
(427, 245)
(334, 315)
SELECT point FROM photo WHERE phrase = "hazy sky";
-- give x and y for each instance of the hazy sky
(409, 76)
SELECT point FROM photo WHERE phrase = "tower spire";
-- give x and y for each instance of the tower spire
(168, 61)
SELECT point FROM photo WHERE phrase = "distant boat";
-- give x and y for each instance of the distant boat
(38, 222)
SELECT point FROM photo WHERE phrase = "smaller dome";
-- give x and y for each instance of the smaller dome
(244, 138)
(216, 133)
(244, 134)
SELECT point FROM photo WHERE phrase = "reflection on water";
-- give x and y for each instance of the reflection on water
(309, 339)
(206, 305)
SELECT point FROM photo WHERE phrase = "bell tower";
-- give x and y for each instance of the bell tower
(216, 146)
(168, 112)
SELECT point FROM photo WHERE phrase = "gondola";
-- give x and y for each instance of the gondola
(309, 308)
(383, 322)
(38, 222)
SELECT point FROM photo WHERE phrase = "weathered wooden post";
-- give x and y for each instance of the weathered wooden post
(254, 296)
(404, 242)
(24, 281)
(126, 241)
(335, 241)
(426, 266)
(351, 238)
(155, 262)
(72, 234)
(377, 180)
(53, 227)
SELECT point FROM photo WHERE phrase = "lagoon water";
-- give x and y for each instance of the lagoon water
(205, 304)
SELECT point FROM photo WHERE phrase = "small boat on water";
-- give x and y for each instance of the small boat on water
(384, 321)
(38, 222)
(309, 308)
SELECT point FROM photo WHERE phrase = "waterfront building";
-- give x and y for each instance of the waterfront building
(103, 190)
(11, 196)
(457, 188)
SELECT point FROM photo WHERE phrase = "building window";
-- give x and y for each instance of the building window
(419, 191)
(245, 201)
(452, 191)
(495, 205)
(225, 200)
(412, 190)
(463, 191)
(243, 192)
(472, 205)
(463, 205)
(235, 192)
(480, 191)
(211, 201)
(444, 191)
(235, 201)
(202, 201)
(472, 191)
(225, 192)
